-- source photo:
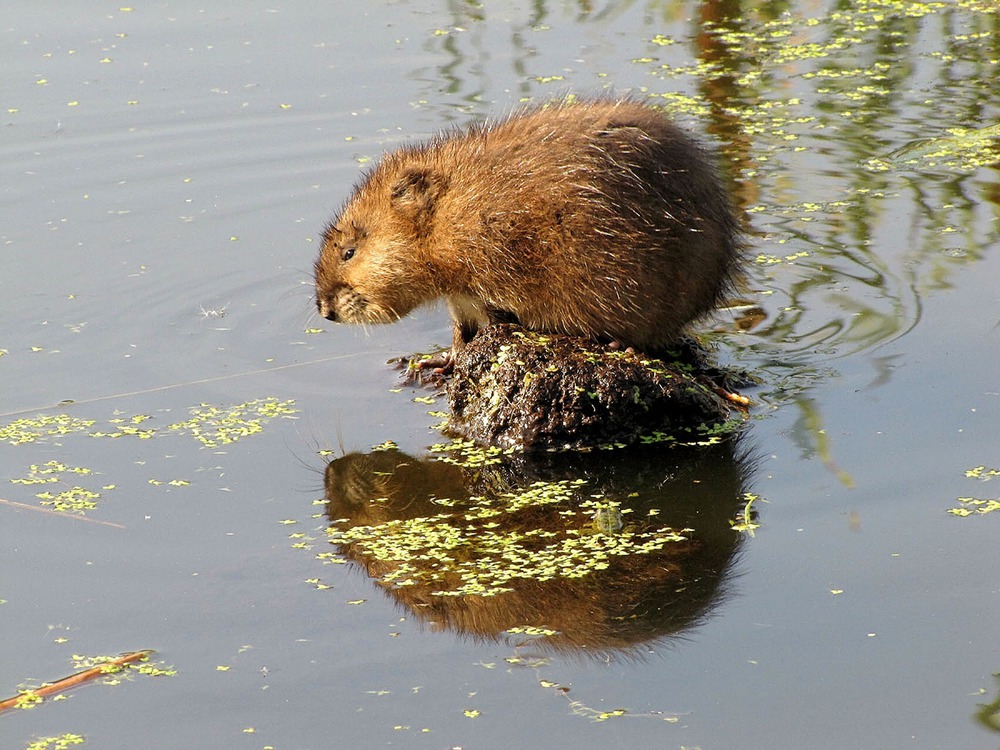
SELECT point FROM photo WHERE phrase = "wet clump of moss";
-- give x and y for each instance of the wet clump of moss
(514, 388)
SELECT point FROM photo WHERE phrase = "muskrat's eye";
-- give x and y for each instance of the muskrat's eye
(347, 253)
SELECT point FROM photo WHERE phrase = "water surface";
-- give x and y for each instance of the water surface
(166, 169)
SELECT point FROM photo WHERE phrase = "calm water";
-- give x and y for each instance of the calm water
(164, 172)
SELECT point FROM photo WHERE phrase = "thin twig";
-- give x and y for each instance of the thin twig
(72, 402)
(87, 675)
(24, 506)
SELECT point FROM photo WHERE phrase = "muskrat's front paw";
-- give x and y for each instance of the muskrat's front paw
(426, 369)
(442, 363)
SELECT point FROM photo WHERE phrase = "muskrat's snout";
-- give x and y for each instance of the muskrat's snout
(345, 304)
(325, 307)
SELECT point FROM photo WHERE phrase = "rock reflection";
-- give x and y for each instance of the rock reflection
(988, 714)
(597, 553)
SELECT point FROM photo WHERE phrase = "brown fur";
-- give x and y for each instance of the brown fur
(596, 218)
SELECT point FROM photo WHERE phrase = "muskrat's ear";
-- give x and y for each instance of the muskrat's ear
(418, 190)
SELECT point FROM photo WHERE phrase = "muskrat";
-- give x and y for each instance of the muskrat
(594, 218)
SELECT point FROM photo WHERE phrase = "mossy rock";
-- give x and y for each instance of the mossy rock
(519, 389)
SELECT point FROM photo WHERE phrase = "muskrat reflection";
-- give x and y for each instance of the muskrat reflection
(602, 552)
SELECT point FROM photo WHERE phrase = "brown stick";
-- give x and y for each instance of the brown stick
(87, 675)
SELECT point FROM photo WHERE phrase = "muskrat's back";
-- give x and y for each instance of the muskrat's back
(593, 218)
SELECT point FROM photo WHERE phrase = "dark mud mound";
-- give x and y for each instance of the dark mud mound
(514, 388)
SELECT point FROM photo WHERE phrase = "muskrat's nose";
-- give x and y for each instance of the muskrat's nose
(326, 309)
